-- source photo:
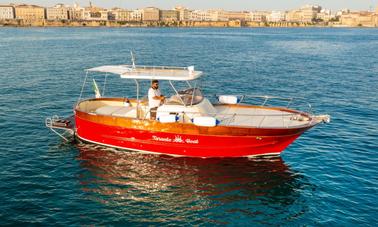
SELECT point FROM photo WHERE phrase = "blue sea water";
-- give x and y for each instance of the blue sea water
(329, 176)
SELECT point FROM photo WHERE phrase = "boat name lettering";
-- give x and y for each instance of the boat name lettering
(161, 139)
(176, 139)
(192, 141)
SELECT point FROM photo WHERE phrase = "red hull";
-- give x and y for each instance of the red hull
(182, 144)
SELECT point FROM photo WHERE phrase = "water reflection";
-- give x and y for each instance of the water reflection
(191, 189)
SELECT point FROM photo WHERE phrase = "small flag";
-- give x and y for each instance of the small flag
(96, 90)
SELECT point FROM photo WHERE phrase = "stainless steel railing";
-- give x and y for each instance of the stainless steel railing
(299, 103)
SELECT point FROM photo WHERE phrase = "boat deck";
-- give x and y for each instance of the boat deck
(259, 117)
(228, 115)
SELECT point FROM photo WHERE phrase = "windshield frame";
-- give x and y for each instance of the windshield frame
(187, 97)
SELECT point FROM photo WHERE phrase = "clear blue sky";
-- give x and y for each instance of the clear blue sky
(214, 4)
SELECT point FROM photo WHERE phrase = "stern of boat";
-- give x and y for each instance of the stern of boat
(64, 127)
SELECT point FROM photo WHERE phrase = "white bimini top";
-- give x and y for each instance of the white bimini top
(150, 72)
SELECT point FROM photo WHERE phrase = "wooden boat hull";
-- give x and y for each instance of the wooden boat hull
(173, 139)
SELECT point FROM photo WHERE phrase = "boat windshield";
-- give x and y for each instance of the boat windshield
(187, 97)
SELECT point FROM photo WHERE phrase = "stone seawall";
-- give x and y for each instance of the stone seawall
(69, 23)
(236, 23)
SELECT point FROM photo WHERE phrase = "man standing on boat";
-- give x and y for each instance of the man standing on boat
(155, 99)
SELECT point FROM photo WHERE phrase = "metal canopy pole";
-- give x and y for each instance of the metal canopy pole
(103, 89)
(190, 86)
(137, 91)
(82, 87)
(170, 82)
(194, 89)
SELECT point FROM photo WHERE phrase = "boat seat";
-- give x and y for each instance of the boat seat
(119, 111)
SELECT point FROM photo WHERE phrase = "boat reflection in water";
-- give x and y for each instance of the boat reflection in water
(163, 189)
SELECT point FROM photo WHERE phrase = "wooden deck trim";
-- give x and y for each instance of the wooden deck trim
(187, 128)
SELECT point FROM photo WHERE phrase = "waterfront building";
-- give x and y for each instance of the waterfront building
(29, 12)
(217, 15)
(111, 15)
(294, 16)
(236, 15)
(366, 19)
(183, 12)
(150, 14)
(257, 16)
(276, 16)
(343, 11)
(136, 15)
(6, 12)
(76, 13)
(58, 12)
(324, 15)
(119, 14)
(93, 13)
(309, 13)
(169, 15)
(200, 15)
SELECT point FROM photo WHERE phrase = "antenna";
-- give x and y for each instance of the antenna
(132, 59)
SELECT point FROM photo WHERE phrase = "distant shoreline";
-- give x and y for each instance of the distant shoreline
(178, 24)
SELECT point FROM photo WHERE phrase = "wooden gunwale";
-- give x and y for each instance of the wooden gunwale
(230, 105)
(188, 128)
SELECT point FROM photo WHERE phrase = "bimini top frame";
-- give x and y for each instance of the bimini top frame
(141, 72)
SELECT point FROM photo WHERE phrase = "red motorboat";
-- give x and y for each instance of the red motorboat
(187, 123)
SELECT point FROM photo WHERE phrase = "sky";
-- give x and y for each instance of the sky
(214, 4)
